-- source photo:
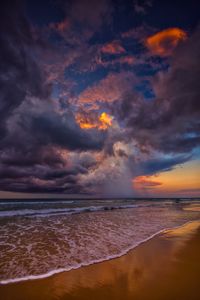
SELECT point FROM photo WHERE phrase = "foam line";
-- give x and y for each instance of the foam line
(55, 211)
(60, 270)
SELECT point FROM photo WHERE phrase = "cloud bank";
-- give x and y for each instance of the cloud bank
(82, 114)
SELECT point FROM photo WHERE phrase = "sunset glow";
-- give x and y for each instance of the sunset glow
(99, 98)
(103, 122)
(171, 182)
(99, 149)
(106, 121)
(164, 42)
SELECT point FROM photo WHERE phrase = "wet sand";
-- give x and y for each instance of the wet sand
(165, 267)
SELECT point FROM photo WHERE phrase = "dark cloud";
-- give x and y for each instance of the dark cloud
(158, 165)
(54, 73)
(141, 7)
(170, 123)
(89, 15)
(42, 175)
(83, 18)
(54, 130)
(20, 74)
(32, 132)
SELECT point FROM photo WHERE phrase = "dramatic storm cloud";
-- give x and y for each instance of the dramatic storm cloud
(97, 97)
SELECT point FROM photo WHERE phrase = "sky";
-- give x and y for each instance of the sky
(99, 98)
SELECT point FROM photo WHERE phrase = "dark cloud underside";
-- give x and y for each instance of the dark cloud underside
(135, 84)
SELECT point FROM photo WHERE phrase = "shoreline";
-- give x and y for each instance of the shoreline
(166, 266)
(95, 262)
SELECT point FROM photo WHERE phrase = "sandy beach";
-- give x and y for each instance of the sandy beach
(99, 150)
(164, 267)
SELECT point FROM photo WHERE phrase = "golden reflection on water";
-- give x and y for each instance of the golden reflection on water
(124, 277)
(192, 207)
(148, 272)
(185, 230)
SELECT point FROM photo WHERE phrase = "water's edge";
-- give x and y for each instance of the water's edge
(60, 270)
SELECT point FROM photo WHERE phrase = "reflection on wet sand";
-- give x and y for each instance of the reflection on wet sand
(165, 267)
(192, 207)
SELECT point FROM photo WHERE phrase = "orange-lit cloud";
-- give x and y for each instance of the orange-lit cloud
(164, 42)
(85, 122)
(183, 180)
(123, 60)
(141, 182)
(113, 48)
(128, 59)
(106, 120)
(102, 122)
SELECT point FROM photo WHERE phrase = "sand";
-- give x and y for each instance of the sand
(165, 267)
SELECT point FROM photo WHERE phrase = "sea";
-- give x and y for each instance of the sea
(41, 238)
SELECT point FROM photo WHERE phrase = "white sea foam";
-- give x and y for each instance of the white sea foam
(77, 266)
(70, 211)
(32, 247)
(27, 202)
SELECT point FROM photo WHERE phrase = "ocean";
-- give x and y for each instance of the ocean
(42, 238)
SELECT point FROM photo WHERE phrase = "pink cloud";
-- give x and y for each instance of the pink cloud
(128, 59)
(108, 90)
(141, 182)
(113, 47)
